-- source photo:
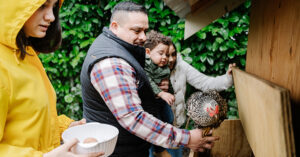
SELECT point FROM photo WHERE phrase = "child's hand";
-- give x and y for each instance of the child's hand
(169, 98)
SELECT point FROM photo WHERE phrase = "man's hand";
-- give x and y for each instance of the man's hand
(169, 98)
(65, 151)
(198, 143)
(229, 71)
(164, 85)
(82, 121)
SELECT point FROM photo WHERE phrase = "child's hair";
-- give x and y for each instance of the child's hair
(154, 38)
(47, 44)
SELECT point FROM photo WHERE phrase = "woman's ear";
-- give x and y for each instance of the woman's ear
(147, 51)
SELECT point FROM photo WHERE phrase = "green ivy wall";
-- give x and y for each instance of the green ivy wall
(210, 50)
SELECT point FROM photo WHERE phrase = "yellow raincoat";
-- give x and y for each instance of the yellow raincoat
(29, 125)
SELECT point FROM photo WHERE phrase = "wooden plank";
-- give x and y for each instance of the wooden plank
(180, 7)
(202, 17)
(200, 4)
(233, 141)
(264, 110)
(274, 48)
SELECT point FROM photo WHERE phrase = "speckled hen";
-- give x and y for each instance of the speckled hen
(206, 109)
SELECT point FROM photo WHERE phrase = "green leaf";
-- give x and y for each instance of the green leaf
(107, 7)
(68, 98)
(202, 68)
(223, 48)
(216, 67)
(201, 35)
(210, 61)
(208, 45)
(231, 44)
(238, 30)
(186, 51)
(231, 54)
(165, 13)
(84, 43)
(94, 20)
(201, 46)
(234, 18)
(243, 61)
(178, 46)
(223, 22)
(100, 12)
(214, 31)
(203, 57)
(219, 40)
(215, 46)
(80, 35)
(71, 20)
(147, 5)
(84, 8)
(247, 4)
(224, 33)
(240, 52)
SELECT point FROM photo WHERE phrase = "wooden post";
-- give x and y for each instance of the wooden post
(274, 48)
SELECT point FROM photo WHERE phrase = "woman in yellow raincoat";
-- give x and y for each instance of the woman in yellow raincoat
(29, 125)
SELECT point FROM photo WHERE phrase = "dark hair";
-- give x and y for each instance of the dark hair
(128, 7)
(154, 38)
(174, 47)
(47, 44)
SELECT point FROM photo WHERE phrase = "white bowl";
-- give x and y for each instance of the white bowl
(105, 134)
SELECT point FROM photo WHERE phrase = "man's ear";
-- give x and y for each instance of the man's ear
(147, 51)
(113, 27)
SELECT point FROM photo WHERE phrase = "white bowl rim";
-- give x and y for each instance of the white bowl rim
(92, 123)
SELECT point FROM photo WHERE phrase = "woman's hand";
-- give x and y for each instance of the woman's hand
(82, 121)
(229, 71)
(164, 85)
(169, 98)
(65, 151)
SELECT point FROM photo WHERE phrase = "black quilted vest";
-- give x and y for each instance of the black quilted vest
(94, 108)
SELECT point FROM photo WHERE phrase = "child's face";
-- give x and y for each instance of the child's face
(159, 55)
(38, 23)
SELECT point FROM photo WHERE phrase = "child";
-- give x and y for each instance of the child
(157, 69)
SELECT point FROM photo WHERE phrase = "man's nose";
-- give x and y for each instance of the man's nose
(142, 36)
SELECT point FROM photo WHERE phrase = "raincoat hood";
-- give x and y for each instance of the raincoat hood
(14, 14)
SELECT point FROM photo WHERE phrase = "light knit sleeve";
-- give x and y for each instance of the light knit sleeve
(203, 82)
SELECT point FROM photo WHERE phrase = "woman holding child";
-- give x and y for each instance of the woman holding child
(182, 73)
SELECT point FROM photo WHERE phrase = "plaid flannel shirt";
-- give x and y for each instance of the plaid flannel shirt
(115, 81)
